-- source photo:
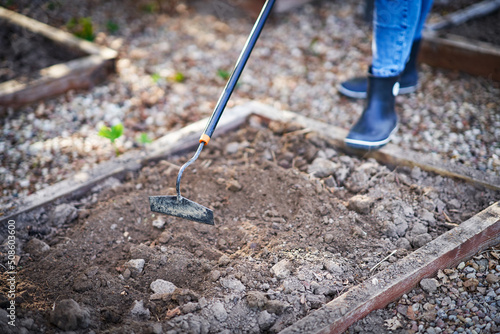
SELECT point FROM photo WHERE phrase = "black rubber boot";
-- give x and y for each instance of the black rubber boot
(356, 87)
(379, 119)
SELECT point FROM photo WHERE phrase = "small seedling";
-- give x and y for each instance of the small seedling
(179, 77)
(223, 74)
(112, 134)
(155, 77)
(82, 28)
(144, 139)
(112, 26)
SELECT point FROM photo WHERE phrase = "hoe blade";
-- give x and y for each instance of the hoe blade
(182, 208)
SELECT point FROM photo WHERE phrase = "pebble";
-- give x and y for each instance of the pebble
(161, 286)
(36, 247)
(139, 311)
(135, 266)
(282, 269)
(158, 223)
(63, 214)
(68, 315)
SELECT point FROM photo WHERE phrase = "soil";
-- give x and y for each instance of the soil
(23, 53)
(483, 29)
(297, 223)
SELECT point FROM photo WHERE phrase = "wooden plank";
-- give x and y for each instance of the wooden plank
(459, 53)
(474, 11)
(55, 35)
(476, 234)
(253, 7)
(389, 155)
(82, 73)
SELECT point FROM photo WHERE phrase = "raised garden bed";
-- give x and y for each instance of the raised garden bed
(301, 229)
(466, 40)
(77, 64)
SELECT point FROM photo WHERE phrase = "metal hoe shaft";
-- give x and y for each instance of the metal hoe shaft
(182, 207)
(178, 183)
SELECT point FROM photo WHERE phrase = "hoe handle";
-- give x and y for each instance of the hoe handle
(235, 75)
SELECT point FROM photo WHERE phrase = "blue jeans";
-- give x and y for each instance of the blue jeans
(396, 24)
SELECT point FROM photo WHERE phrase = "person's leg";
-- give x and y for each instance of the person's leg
(356, 87)
(393, 31)
(409, 77)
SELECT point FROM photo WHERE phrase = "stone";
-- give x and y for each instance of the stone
(218, 311)
(401, 226)
(158, 223)
(161, 286)
(282, 269)
(292, 284)
(36, 247)
(276, 306)
(492, 278)
(328, 238)
(224, 260)
(232, 147)
(322, 167)
(256, 299)
(63, 214)
(403, 243)
(68, 315)
(418, 229)
(454, 204)
(233, 185)
(265, 320)
(361, 203)
(135, 266)
(428, 217)
(190, 307)
(233, 284)
(421, 240)
(333, 267)
(390, 229)
(429, 285)
(139, 311)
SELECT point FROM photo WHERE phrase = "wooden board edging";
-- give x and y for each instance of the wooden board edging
(476, 234)
(81, 73)
(390, 154)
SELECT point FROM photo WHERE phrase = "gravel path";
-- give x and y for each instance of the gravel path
(464, 299)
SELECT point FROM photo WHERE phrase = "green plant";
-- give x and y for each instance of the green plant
(150, 8)
(223, 74)
(112, 134)
(179, 77)
(144, 139)
(112, 26)
(82, 28)
(155, 77)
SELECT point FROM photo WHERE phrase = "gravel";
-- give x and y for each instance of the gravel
(462, 299)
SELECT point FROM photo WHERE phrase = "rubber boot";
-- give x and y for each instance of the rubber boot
(356, 87)
(379, 119)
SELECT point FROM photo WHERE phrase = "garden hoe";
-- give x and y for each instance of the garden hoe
(182, 207)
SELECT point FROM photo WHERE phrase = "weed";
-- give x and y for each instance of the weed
(82, 28)
(155, 77)
(177, 77)
(112, 134)
(112, 26)
(144, 139)
(223, 74)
